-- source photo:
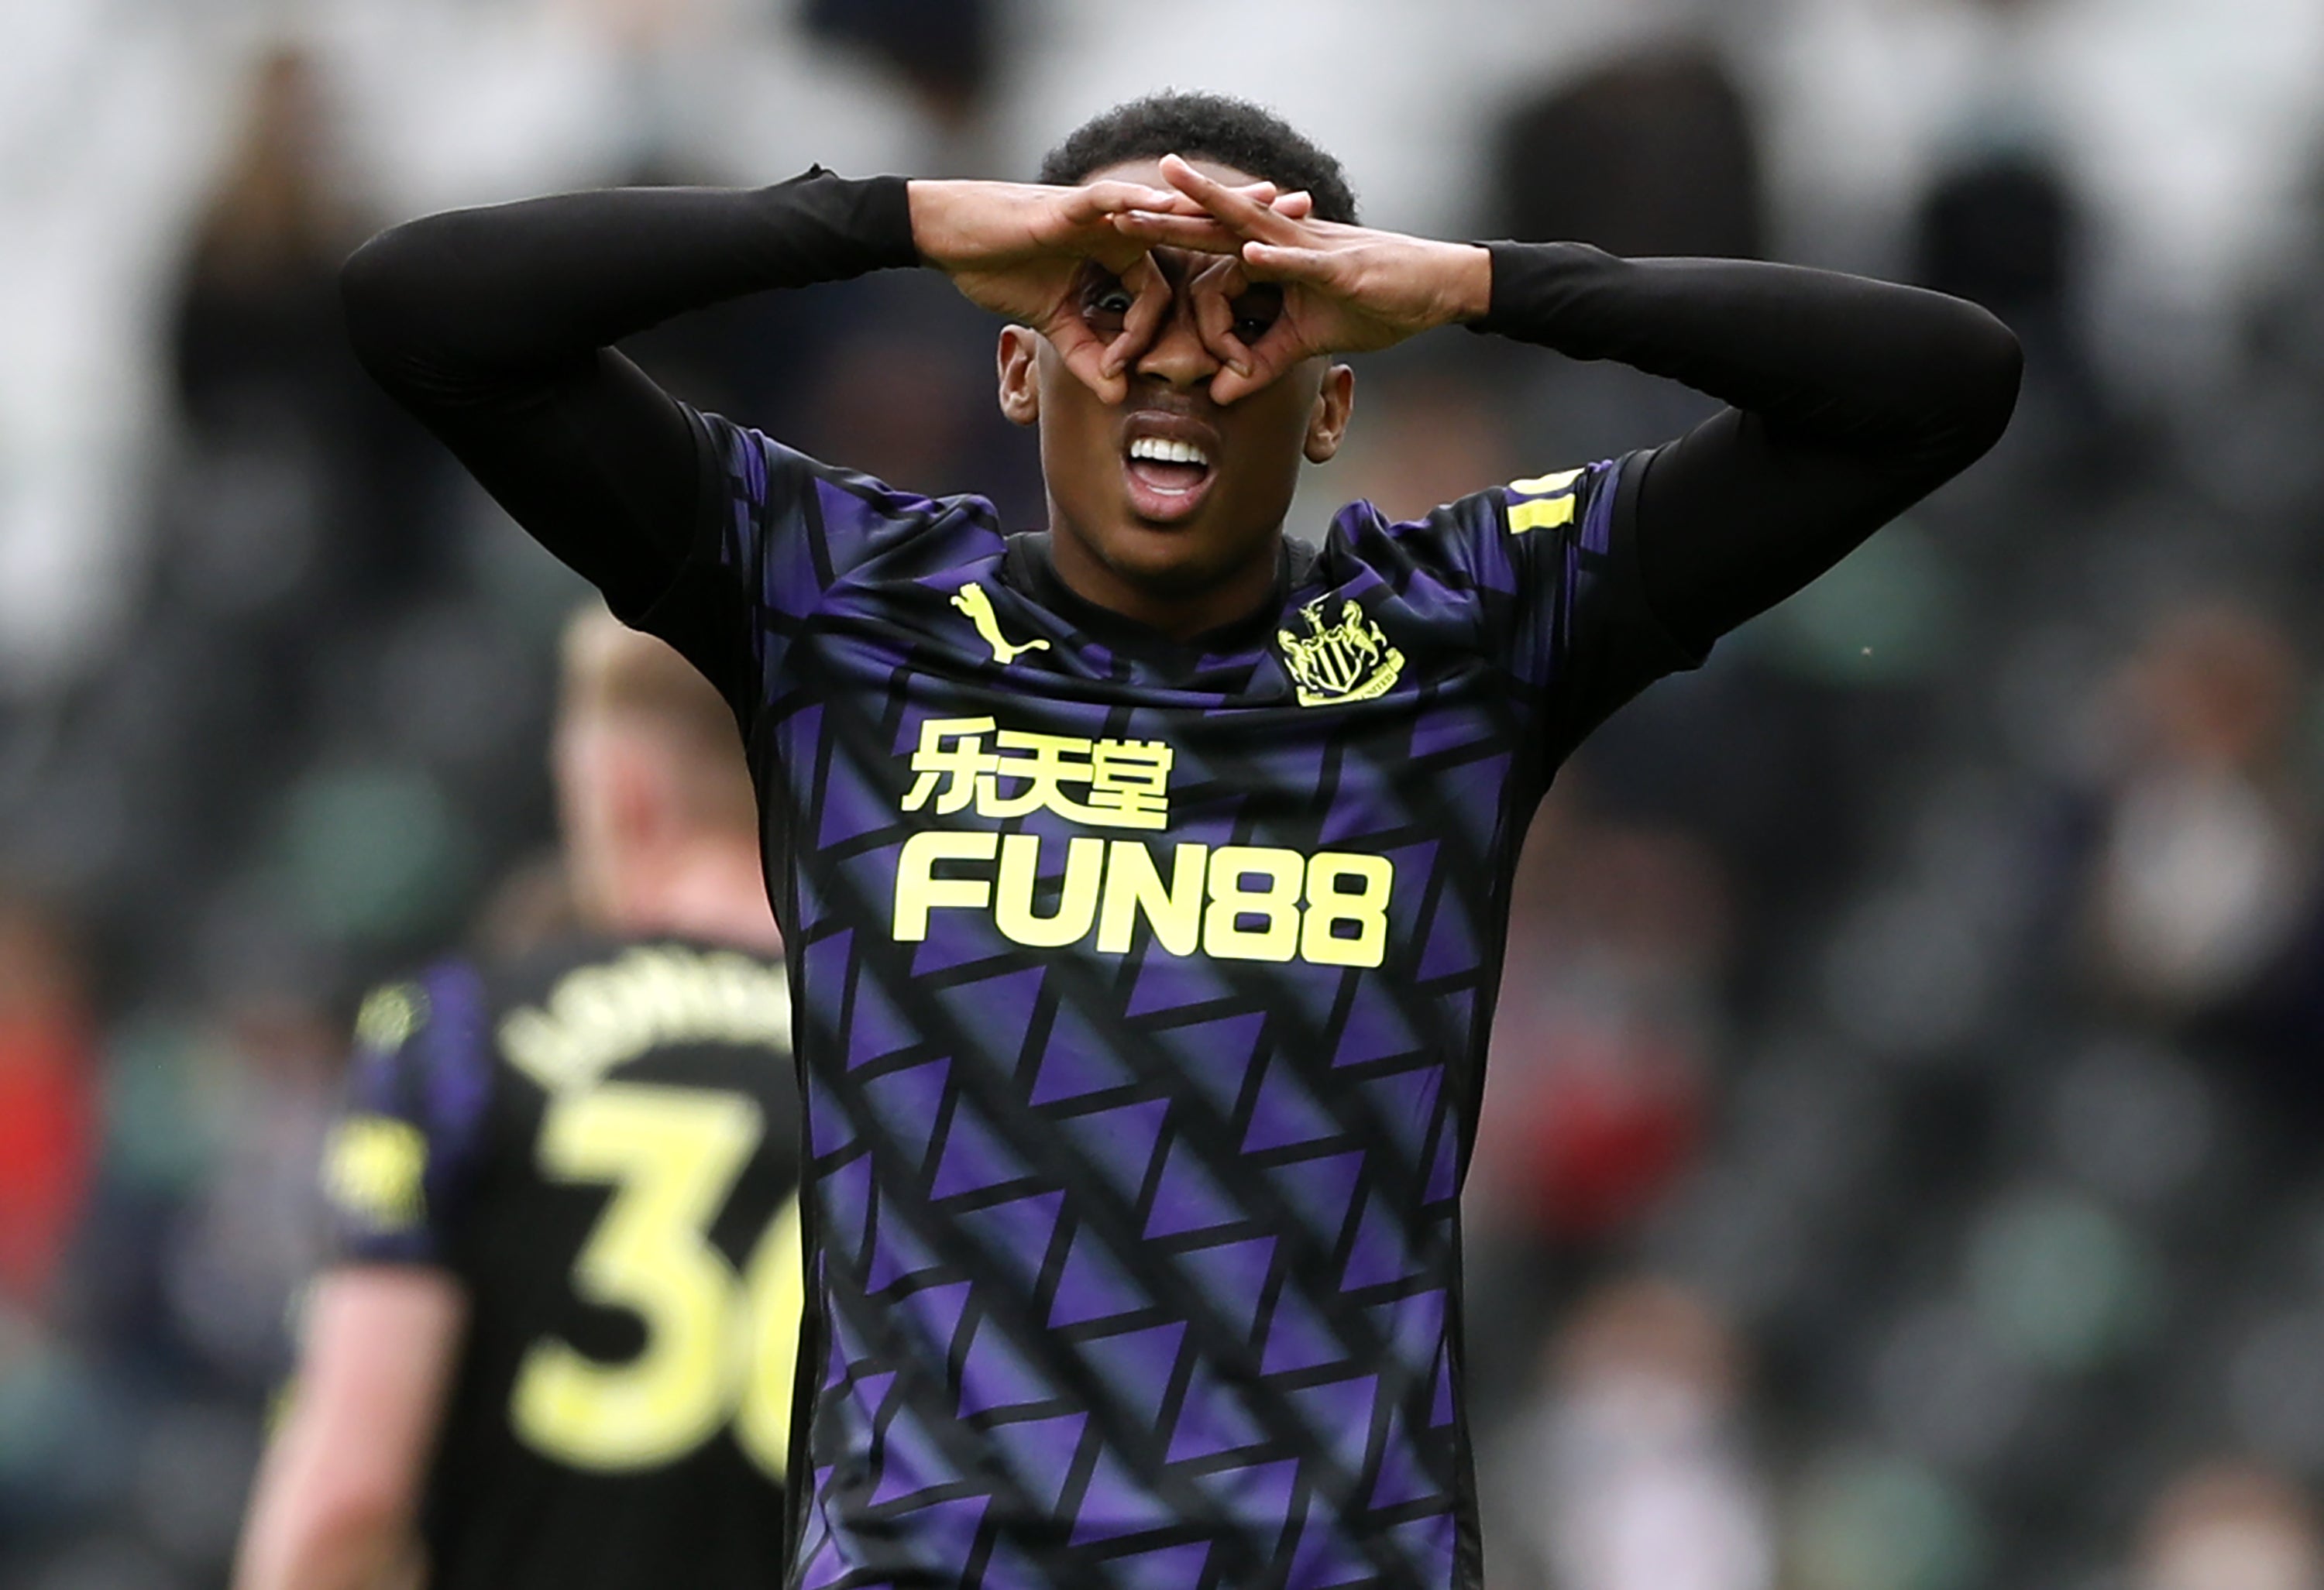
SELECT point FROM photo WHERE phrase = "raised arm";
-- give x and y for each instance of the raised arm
(1850, 400)
(495, 327)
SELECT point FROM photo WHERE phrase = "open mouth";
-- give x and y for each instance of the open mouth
(1169, 465)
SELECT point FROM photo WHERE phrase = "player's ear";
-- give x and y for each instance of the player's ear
(1020, 376)
(1327, 421)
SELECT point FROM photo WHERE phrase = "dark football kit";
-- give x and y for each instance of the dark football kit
(600, 1145)
(1142, 985)
(1142, 992)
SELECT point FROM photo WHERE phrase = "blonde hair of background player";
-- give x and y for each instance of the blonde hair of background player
(661, 836)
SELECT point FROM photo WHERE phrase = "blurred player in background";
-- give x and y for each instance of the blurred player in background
(1146, 877)
(556, 1346)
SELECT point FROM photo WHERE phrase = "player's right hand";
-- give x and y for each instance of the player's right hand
(1052, 258)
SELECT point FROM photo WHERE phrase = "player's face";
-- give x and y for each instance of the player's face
(1167, 506)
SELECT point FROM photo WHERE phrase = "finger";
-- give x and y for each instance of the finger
(1201, 234)
(1085, 357)
(1175, 203)
(1260, 191)
(1250, 366)
(1078, 346)
(1268, 261)
(1189, 226)
(1232, 206)
(1213, 294)
(1087, 204)
(1298, 204)
(1148, 310)
(1276, 354)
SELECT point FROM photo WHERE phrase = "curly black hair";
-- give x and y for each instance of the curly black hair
(1205, 126)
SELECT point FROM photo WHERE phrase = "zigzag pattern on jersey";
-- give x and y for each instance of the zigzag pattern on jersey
(1222, 1357)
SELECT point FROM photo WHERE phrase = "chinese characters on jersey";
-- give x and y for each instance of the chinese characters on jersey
(1124, 783)
(1228, 902)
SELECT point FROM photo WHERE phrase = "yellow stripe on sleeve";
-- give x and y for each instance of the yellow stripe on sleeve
(1542, 486)
(1546, 513)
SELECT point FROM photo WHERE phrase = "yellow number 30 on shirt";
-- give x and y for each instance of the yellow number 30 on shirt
(718, 1346)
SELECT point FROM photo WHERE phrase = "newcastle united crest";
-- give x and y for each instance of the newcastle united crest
(1351, 660)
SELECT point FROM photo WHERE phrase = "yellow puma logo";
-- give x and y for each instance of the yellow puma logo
(972, 600)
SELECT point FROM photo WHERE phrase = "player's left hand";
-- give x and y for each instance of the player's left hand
(1342, 289)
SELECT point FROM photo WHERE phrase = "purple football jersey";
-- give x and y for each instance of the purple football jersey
(1141, 993)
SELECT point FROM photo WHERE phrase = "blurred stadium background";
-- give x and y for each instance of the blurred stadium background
(1898, 1171)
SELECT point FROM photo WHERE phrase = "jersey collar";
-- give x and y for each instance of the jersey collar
(1029, 569)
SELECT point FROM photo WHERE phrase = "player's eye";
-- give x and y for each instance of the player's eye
(1256, 312)
(1105, 304)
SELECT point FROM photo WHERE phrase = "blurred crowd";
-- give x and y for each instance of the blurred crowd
(1896, 1171)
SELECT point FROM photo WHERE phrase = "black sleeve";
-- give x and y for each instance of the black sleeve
(494, 328)
(408, 1153)
(1851, 399)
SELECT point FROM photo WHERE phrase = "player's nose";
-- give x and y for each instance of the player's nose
(1177, 354)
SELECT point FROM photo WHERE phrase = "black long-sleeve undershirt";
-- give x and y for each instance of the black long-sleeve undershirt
(495, 327)
(1849, 398)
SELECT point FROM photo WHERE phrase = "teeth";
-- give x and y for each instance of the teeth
(1164, 450)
